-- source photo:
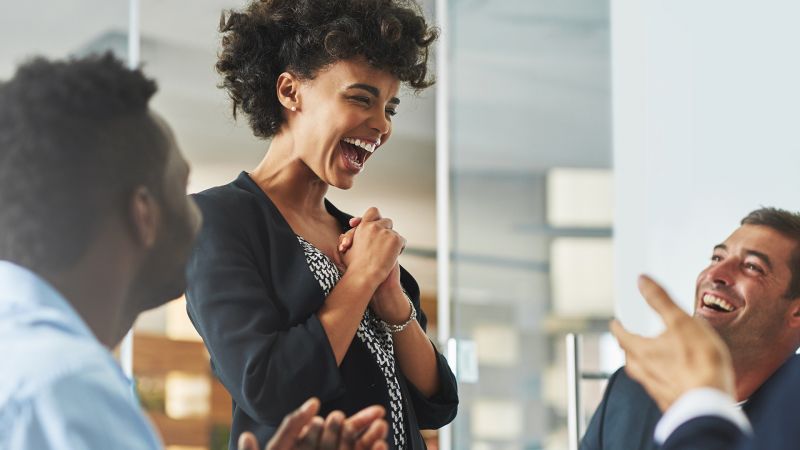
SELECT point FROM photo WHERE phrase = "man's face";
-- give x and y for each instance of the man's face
(162, 276)
(742, 291)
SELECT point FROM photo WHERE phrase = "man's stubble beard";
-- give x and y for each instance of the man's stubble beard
(162, 274)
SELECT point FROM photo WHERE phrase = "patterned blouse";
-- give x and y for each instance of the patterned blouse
(370, 332)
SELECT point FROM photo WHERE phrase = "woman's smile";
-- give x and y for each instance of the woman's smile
(356, 151)
(353, 157)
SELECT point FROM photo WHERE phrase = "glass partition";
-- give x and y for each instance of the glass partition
(530, 199)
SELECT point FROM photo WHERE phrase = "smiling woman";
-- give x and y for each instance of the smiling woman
(294, 298)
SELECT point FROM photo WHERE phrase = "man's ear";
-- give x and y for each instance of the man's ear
(145, 217)
(287, 88)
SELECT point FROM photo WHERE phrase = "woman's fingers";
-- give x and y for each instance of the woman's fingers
(346, 240)
(371, 214)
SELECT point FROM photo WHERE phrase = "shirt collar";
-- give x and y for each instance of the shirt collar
(23, 294)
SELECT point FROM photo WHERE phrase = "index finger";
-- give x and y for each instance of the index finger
(629, 342)
(659, 300)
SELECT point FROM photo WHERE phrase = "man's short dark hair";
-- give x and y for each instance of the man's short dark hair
(788, 224)
(76, 138)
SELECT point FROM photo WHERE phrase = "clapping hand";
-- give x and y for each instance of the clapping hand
(303, 430)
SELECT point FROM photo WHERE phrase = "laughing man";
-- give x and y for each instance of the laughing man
(750, 294)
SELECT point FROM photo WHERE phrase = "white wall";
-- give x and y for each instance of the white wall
(706, 110)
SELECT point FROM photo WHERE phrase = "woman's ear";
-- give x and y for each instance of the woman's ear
(287, 88)
(145, 217)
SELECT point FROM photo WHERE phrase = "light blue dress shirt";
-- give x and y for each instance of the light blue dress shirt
(59, 387)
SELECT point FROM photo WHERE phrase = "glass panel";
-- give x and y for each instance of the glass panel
(179, 44)
(529, 104)
(188, 405)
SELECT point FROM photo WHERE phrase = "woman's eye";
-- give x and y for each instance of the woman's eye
(391, 112)
(716, 258)
(362, 100)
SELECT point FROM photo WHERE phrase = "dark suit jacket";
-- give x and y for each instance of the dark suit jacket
(253, 299)
(627, 416)
(775, 427)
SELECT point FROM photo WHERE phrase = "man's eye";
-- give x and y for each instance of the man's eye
(391, 112)
(716, 258)
(753, 267)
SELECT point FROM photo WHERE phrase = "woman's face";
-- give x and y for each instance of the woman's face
(343, 115)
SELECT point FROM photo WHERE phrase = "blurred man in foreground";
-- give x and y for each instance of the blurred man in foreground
(95, 227)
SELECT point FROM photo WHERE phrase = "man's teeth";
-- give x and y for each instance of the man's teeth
(709, 300)
(368, 146)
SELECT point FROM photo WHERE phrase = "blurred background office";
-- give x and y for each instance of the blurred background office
(500, 177)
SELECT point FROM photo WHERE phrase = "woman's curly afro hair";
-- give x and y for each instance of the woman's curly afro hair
(270, 37)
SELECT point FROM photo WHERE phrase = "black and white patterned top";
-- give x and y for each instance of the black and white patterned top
(370, 332)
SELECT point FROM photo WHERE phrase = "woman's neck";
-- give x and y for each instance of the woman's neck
(288, 181)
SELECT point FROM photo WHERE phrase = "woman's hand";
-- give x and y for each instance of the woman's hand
(413, 350)
(372, 247)
(345, 242)
(389, 302)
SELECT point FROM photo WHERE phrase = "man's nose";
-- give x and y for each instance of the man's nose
(722, 273)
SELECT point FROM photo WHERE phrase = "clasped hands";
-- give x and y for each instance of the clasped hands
(689, 354)
(372, 247)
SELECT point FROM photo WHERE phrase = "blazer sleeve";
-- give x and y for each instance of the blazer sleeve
(593, 438)
(268, 366)
(440, 409)
(709, 433)
(780, 430)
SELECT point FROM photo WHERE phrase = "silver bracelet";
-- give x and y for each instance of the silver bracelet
(398, 328)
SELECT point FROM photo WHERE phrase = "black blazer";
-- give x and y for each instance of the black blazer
(253, 299)
(626, 418)
(777, 426)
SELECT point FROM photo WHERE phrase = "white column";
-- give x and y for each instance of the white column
(126, 349)
(443, 198)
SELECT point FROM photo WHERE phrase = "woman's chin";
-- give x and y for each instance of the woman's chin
(343, 183)
(344, 186)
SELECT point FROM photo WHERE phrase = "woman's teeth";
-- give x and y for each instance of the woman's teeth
(353, 159)
(366, 145)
